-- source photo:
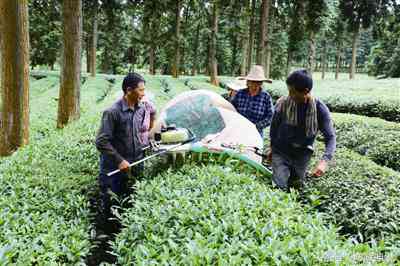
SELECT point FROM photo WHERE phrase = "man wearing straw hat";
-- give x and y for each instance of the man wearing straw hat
(233, 87)
(254, 103)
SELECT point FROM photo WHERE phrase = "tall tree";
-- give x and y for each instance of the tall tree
(296, 31)
(316, 11)
(44, 32)
(358, 14)
(339, 36)
(93, 47)
(245, 34)
(14, 50)
(213, 44)
(115, 40)
(69, 98)
(251, 35)
(264, 19)
(176, 64)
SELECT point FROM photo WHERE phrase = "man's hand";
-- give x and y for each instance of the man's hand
(268, 159)
(320, 169)
(124, 166)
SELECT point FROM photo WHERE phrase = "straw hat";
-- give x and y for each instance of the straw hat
(257, 74)
(237, 84)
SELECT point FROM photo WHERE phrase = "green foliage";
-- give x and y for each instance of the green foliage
(385, 55)
(45, 32)
(44, 216)
(214, 216)
(378, 98)
(374, 138)
(359, 196)
(113, 37)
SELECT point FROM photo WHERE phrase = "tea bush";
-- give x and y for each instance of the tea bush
(214, 216)
(360, 196)
(376, 98)
(44, 217)
(375, 138)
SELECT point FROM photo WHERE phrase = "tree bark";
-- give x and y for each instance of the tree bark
(93, 46)
(263, 31)
(152, 56)
(338, 60)
(14, 50)
(69, 98)
(213, 45)
(268, 60)
(251, 36)
(311, 54)
(175, 66)
(288, 61)
(234, 54)
(196, 51)
(323, 59)
(88, 51)
(354, 53)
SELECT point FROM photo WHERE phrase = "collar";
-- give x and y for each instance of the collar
(248, 92)
(125, 106)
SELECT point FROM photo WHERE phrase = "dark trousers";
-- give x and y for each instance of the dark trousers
(290, 171)
(119, 184)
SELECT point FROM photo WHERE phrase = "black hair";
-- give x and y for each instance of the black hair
(300, 80)
(131, 80)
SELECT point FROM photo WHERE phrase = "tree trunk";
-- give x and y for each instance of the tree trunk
(234, 54)
(338, 60)
(354, 53)
(243, 65)
(196, 50)
(323, 60)
(88, 55)
(14, 49)
(175, 66)
(93, 46)
(263, 31)
(311, 54)
(213, 45)
(288, 62)
(268, 60)
(69, 98)
(244, 47)
(251, 36)
(152, 60)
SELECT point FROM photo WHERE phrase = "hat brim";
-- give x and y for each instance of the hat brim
(255, 79)
(234, 87)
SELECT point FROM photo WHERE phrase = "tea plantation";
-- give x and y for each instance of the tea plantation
(206, 214)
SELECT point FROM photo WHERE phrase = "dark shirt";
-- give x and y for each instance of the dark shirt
(284, 137)
(258, 109)
(118, 136)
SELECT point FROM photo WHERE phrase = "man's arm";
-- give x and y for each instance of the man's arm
(105, 135)
(327, 130)
(268, 113)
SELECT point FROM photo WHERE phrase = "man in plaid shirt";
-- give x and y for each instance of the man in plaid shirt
(253, 103)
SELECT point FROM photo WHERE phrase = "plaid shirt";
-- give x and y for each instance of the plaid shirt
(258, 109)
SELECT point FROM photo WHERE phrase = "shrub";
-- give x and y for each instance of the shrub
(376, 98)
(375, 138)
(360, 196)
(213, 216)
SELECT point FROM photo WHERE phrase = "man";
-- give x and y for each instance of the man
(254, 103)
(118, 139)
(233, 87)
(294, 127)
